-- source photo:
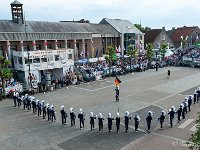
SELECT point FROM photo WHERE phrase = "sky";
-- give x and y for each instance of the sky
(151, 13)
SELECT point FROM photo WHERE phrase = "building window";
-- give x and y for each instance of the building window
(27, 61)
(26, 48)
(163, 37)
(59, 45)
(63, 57)
(20, 60)
(50, 58)
(49, 46)
(68, 45)
(36, 60)
(44, 58)
(1, 50)
(38, 47)
(13, 47)
(56, 57)
(70, 56)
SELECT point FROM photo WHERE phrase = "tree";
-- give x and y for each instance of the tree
(5, 72)
(149, 53)
(163, 51)
(142, 29)
(195, 138)
(111, 56)
(132, 53)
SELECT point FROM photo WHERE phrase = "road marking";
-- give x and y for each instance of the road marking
(164, 98)
(193, 128)
(82, 88)
(186, 123)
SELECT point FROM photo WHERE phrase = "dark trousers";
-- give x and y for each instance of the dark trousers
(92, 125)
(29, 106)
(15, 102)
(188, 107)
(34, 110)
(100, 127)
(136, 126)
(19, 104)
(161, 124)
(179, 117)
(126, 126)
(39, 112)
(63, 120)
(117, 127)
(81, 123)
(183, 115)
(171, 122)
(53, 117)
(24, 105)
(149, 126)
(49, 116)
(44, 113)
(109, 127)
(72, 122)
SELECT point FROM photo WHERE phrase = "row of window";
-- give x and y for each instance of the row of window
(45, 58)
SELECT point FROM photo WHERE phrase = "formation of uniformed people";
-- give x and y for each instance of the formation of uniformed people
(39, 108)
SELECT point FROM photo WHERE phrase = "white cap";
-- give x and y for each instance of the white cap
(62, 107)
(47, 104)
(71, 109)
(117, 114)
(52, 106)
(109, 115)
(137, 117)
(81, 111)
(150, 113)
(100, 115)
(37, 100)
(181, 105)
(173, 108)
(91, 114)
(42, 101)
(126, 113)
(163, 112)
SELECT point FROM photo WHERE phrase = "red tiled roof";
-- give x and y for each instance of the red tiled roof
(183, 31)
(151, 35)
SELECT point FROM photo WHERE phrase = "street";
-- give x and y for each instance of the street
(139, 93)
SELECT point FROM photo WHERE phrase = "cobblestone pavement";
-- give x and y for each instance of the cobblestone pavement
(139, 93)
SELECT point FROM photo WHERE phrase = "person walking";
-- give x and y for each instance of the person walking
(161, 119)
(117, 122)
(148, 120)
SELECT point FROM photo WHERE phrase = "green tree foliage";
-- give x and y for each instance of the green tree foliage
(149, 53)
(110, 56)
(132, 53)
(163, 51)
(195, 138)
(5, 72)
(142, 29)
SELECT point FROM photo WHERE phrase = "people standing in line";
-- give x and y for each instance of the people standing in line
(48, 112)
(110, 119)
(186, 104)
(161, 119)
(179, 112)
(171, 115)
(81, 117)
(25, 101)
(184, 110)
(117, 122)
(63, 115)
(92, 117)
(53, 114)
(189, 102)
(100, 122)
(28, 100)
(137, 121)
(44, 112)
(72, 117)
(148, 120)
(126, 119)
(198, 94)
(39, 108)
(34, 105)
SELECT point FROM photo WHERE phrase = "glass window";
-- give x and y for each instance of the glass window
(50, 58)
(49, 46)
(26, 48)
(36, 60)
(59, 45)
(44, 58)
(63, 57)
(70, 56)
(38, 47)
(68, 45)
(13, 47)
(1, 50)
(20, 60)
(56, 57)
(27, 61)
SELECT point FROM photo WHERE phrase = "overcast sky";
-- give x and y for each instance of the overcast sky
(151, 13)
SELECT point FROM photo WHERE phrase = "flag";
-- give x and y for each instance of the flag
(117, 81)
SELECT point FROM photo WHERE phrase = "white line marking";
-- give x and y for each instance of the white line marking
(82, 88)
(193, 128)
(186, 123)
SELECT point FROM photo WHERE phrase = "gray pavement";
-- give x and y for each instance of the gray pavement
(139, 93)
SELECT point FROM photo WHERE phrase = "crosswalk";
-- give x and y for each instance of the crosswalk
(187, 123)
